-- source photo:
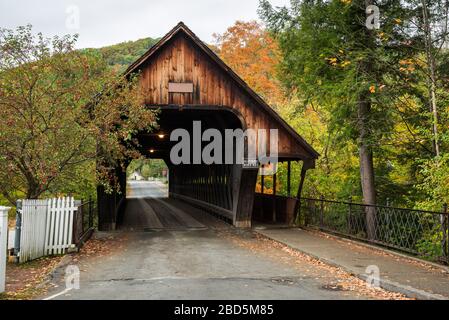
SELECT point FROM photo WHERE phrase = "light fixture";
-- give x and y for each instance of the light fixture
(151, 150)
(161, 136)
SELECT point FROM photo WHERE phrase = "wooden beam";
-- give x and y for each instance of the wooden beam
(298, 195)
(274, 197)
(289, 178)
(306, 165)
(245, 199)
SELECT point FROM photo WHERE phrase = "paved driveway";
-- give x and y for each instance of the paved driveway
(200, 258)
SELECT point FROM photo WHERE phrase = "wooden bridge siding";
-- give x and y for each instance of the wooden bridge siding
(211, 184)
(211, 187)
(182, 62)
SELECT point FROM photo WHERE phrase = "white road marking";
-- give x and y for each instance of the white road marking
(58, 294)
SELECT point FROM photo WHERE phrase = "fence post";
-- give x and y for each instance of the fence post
(90, 213)
(445, 226)
(388, 220)
(305, 210)
(350, 215)
(18, 229)
(321, 211)
(3, 245)
(82, 207)
(78, 222)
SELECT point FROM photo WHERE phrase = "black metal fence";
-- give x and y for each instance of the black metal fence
(419, 232)
(85, 221)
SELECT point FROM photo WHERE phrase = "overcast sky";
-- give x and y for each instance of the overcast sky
(105, 22)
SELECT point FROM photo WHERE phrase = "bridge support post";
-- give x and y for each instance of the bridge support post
(274, 213)
(121, 197)
(245, 198)
(289, 178)
(106, 210)
(110, 205)
(307, 164)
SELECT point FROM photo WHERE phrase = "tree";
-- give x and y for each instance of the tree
(428, 35)
(431, 22)
(253, 54)
(334, 61)
(59, 110)
(147, 167)
(384, 89)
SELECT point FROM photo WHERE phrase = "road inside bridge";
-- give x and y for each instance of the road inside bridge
(149, 209)
(179, 252)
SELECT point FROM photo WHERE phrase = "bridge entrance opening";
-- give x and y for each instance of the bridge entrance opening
(150, 181)
(147, 178)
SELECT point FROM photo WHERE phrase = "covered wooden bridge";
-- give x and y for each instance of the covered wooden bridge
(184, 79)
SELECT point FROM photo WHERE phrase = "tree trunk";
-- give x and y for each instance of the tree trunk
(33, 190)
(367, 168)
(365, 148)
(431, 83)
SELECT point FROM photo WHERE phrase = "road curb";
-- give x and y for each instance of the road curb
(388, 285)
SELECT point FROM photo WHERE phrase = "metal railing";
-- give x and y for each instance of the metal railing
(85, 223)
(419, 232)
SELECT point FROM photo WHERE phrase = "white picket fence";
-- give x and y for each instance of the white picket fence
(3, 245)
(47, 227)
(32, 234)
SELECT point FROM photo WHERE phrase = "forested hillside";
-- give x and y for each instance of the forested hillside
(123, 54)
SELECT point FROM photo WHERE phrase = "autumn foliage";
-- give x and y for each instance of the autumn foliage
(62, 111)
(254, 55)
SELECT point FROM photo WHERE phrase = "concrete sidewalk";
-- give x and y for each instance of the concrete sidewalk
(398, 273)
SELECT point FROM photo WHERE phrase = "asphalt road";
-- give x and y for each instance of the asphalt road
(146, 189)
(186, 253)
(149, 209)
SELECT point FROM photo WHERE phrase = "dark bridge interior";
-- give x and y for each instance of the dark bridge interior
(157, 145)
(213, 187)
(206, 185)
